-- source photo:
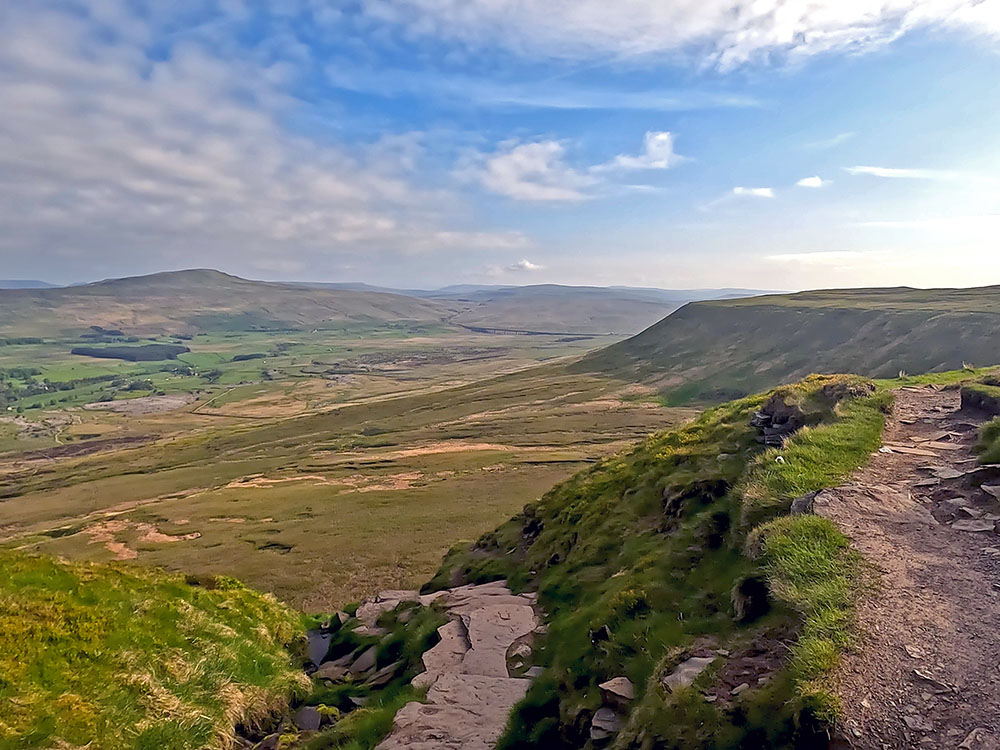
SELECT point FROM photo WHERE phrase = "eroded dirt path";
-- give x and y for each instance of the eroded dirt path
(926, 672)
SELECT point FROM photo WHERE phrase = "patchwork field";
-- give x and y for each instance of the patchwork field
(341, 463)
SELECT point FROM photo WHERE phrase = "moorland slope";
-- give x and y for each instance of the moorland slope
(187, 302)
(722, 349)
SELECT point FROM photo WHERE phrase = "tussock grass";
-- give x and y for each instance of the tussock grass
(989, 442)
(817, 457)
(113, 658)
(811, 567)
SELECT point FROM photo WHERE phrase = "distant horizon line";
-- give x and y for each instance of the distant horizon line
(40, 284)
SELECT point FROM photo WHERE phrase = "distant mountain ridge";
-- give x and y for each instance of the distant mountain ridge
(25, 284)
(196, 300)
(185, 302)
(720, 349)
(557, 308)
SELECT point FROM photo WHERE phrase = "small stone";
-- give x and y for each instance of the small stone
(686, 672)
(993, 490)
(740, 688)
(946, 472)
(604, 724)
(384, 676)
(975, 526)
(330, 671)
(269, 743)
(956, 503)
(617, 692)
(978, 738)
(364, 663)
(722, 652)
(711, 698)
(308, 719)
(917, 724)
(533, 672)
(521, 651)
(965, 513)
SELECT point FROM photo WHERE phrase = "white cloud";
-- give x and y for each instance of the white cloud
(658, 153)
(812, 182)
(831, 142)
(530, 172)
(725, 33)
(903, 174)
(525, 265)
(754, 192)
(104, 151)
(829, 258)
(472, 91)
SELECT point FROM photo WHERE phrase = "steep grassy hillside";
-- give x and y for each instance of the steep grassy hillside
(114, 658)
(725, 349)
(643, 561)
(573, 309)
(187, 302)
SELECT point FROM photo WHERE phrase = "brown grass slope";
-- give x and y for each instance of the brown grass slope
(727, 348)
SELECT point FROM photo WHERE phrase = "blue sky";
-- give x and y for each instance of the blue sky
(772, 144)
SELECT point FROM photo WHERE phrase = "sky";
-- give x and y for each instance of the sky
(775, 144)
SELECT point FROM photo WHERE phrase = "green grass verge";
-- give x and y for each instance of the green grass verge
(818, 456)
(808, 562)
(113, 657)
(989, 442)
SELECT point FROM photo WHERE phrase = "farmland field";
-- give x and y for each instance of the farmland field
(321, 465)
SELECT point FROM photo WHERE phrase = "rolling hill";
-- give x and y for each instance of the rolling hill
(191, 301)
(25, 284)
(555, 308)
(727, 348)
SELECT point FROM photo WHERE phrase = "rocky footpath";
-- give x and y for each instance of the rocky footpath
(474, 674)
(927, 516)
(470, 672)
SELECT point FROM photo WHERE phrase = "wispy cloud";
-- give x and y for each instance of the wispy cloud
(186, 154)
(724, 33)
(525, 265)
(753, 192)
(893, 173)
(530, 172)
(975, 223)
(812, 182)
(538, 170)
(470, 91)
(831, 142)
(738, 194)
(828, 258)
(658, 153)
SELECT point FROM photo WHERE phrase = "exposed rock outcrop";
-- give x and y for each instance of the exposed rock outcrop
(471, 692)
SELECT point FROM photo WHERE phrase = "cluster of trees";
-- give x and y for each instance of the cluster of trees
(144, 353)
(19, 383)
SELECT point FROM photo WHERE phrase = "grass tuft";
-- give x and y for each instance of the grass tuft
(113, 658)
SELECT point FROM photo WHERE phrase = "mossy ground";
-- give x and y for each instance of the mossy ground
(116, 658)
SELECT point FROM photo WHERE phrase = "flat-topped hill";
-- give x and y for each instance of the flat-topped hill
(724, 348)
